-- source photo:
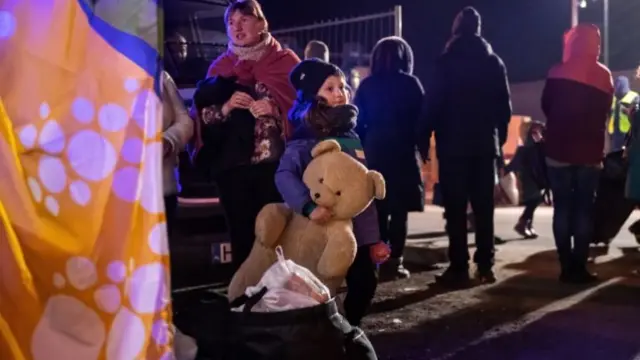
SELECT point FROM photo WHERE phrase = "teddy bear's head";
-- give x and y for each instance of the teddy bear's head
(341, 183)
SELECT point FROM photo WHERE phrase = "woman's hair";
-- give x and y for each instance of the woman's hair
(312, 114)
(247, 8)
(392, 54)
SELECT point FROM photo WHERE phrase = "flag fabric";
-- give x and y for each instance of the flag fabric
(84, 268)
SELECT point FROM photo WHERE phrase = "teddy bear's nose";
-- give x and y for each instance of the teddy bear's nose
(316, 195)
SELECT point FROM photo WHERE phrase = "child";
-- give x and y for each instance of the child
(532, 195)
(321, 111)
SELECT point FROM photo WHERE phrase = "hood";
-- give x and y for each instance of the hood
(468, 45)
(622, 86)
(582, 42)
(467, 22)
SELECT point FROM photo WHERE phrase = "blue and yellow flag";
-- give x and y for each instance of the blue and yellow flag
(84, 271)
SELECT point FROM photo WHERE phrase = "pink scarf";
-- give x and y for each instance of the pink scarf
(267, 63)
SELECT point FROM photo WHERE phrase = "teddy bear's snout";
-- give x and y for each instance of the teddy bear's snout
(324, 197)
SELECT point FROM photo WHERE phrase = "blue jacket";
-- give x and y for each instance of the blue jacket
(294, 161)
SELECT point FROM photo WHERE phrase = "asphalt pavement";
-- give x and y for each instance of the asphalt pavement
(526, 315)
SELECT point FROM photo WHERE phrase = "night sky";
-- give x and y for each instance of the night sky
(526, 33)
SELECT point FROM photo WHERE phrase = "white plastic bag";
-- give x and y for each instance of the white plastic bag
(184, 347)
(289, 286)
(509, 186)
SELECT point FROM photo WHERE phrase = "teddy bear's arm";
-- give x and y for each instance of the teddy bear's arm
(340, 251)
(271, 222)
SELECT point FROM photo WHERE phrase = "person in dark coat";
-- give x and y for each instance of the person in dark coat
(390, 101)
(532, 193)
(468, 107)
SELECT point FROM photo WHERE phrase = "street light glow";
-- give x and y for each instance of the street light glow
(583, 4)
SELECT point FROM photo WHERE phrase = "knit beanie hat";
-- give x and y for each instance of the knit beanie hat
(467, 22)
(309, 75)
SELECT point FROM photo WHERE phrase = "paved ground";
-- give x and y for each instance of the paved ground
(526, 315)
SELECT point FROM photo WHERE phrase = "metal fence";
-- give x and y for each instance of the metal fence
(350, 40)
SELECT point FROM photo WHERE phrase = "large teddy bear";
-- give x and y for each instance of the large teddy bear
(327, 250)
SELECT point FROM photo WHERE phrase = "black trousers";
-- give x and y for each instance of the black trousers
(244, 191)
(170, 209)
(463, 181)
(362, 282)
(393, 227)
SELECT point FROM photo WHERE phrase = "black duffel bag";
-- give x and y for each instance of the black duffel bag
(315, 333)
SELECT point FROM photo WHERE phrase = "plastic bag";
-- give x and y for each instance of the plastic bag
(184, 347)
(508, 186)
(289, 286)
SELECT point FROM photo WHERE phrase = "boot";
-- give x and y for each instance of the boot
(522, 229)
(454, 278)
(394, 269)
(485, 276)
(532, 231)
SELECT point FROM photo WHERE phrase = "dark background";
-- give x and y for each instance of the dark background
(526, 33)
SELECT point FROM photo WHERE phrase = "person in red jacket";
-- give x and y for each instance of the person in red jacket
(576, 101)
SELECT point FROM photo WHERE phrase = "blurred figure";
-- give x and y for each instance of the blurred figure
(177, 131)
(468, 107)
(531, 191)
(317, 49)
(576, 101)
(390, 100)
(633, 155)
(184, 69)
(619, 122)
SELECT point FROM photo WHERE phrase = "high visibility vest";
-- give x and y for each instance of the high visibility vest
(624, 123)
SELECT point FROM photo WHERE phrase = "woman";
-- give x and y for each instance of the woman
(390, 102)
(257, 63)
(177, 130)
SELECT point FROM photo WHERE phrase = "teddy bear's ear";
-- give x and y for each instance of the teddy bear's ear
(324, 147)
(379, 187)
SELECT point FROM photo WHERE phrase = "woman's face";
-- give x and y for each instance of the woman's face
(244, 30)
(334, 91)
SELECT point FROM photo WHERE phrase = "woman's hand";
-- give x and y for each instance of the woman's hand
(263, 107)
(239, 100)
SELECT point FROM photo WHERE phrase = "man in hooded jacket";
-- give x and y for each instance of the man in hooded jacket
(468, 107)
(576, 101)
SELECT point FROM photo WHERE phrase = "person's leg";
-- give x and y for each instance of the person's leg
(398, 232)
(236, 198)
(454, 191)
(482, 186)
(455, 197)
(397, 239)
(170, 209)
(263, 183)
(383, 220)
(586, 183)
(524, 226)
(361, 284)
(560, 179)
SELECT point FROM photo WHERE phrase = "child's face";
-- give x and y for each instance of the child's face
(334, 91)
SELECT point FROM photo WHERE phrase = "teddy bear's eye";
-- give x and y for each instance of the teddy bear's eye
(321, 180)
(338, 193)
